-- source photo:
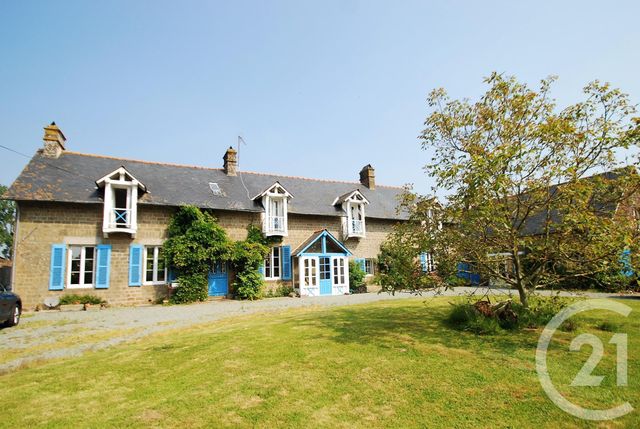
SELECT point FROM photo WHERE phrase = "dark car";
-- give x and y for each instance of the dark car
(10, 307)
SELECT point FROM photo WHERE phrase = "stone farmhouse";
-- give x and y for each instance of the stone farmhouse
(96, 224)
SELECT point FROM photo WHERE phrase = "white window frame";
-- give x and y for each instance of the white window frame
(339, 271)
(354, 207)
(371, 262)
(276, 197)
(83, 252)
(120, 179)
(309, 270)
(430, 264)
(271, 258)
(156, 254)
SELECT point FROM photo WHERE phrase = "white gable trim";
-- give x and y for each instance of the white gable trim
(270, 191)
(355, 196)
(120, 176)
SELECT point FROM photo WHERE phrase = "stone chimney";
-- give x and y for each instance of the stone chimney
(368, 177)
(230, 162)
(53, 141)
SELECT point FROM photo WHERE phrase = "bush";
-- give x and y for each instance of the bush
(541, 310)
(608, 326)
(81, 299)
(196, 242)
(249, 285)
(246, 258)
(280, 291)
(466, 317)
(356, 276)
(191, 288)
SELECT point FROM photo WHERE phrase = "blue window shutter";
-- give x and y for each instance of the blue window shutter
(56, 272)
(423, 262)
(135, 265)
(360, 261)
(102, 269)
(261, 269)
(286, 262)
(172, 275)
(625, 261)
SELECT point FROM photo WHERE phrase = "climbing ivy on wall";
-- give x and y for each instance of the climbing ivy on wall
(196, 241)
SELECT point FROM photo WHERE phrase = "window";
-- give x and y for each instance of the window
(120, 201)
(426, 260)
(272, 264)
(353, 222)
(339, 277)
(310, 272)
(155, 270)
(274, 200)
(325, 268)
(81, 271)
(369, 267)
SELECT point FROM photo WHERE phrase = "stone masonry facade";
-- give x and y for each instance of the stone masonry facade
(42, 224)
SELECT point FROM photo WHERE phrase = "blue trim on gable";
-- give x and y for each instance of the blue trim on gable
(324, 236)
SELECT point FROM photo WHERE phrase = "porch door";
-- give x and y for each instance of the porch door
(325, 275)
(309, 276)
(218, 280)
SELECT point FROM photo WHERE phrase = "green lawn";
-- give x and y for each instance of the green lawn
(388, 364)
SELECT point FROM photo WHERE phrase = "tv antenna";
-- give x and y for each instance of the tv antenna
(240, 141)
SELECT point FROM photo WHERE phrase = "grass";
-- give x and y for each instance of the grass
(387, 364)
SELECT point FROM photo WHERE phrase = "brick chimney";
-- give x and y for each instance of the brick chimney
(368, 177)
(53, 141)
(230, 162)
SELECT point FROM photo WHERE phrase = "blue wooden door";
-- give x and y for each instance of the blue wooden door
(218, 280)
(325, 275)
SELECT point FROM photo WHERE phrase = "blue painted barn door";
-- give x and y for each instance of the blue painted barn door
(325, 275)
(218, 280)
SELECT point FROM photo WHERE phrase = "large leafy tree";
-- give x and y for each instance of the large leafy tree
(7, 219)
(500, 159)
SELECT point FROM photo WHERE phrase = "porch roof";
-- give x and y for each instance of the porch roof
(317, 236)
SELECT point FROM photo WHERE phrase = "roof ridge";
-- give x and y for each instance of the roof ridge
(172, 164)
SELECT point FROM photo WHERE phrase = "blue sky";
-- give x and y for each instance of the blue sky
(316, 88)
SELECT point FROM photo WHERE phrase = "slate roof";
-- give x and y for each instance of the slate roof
(72, 176)
(535, 224)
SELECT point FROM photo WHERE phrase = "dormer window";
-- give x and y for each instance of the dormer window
(120, 202)
(275, 200)
(353, 221)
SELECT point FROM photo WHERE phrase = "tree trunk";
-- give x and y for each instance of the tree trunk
(519, 284)
(524, 299)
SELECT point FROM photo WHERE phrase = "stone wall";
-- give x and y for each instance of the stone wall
(42, 224)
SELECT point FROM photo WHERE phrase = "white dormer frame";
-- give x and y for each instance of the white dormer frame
(275, 218)
(353, 221)
(120, 219)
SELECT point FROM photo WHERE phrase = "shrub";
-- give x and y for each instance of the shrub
(81, 299)
(246, 258)
(466, 317)
(196, 242)
(281, 290)
(191, 288)
(249, 285)
(356, 276)
(608, 326)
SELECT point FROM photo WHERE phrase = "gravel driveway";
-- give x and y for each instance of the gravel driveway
(53, 334)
